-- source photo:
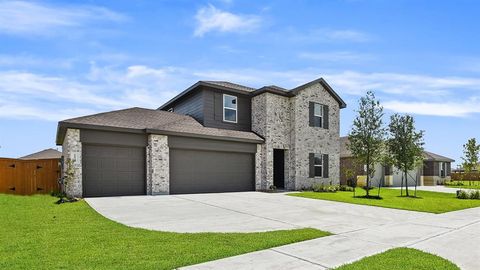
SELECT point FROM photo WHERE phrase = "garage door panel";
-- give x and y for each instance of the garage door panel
(197, 171)
(113, 170)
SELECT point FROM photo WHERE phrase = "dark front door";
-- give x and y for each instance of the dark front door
(279, 168)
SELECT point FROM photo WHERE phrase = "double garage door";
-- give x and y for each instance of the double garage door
(196, 166)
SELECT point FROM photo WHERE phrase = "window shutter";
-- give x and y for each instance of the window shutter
(311, 162)
(325, 117)
(311, 111)
(325, 166)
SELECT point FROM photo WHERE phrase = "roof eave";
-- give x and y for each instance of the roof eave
(198, 84)
(204, 136)
(327, 87)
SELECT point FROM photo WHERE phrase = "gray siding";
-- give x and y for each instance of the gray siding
(213, 110)
(191, 105)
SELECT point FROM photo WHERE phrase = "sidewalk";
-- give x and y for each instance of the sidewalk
(454, 236)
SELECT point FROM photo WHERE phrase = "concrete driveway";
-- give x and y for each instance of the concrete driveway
(243, 212)
(360, 230)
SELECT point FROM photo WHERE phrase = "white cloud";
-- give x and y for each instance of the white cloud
(345, 35)
(400, 83)
(104, 88)
(211, 19)
(454, 109)
(33, 18)
(336, 56)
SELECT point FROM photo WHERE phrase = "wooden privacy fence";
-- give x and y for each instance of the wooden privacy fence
(472, 176)
(26, 177)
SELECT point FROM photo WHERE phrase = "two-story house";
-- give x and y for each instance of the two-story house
(213, 137)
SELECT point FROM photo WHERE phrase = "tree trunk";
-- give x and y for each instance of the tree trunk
(406, 183)
(368, 178)
(401, 187)
(416, 181)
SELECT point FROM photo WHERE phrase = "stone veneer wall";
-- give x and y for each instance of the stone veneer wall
(72, 149)
(284, 123)
(158, 173)
(271, 120)
(314, 139)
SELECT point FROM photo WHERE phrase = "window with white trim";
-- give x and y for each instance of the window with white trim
(229, 108)
(318, 165)
(318, 115)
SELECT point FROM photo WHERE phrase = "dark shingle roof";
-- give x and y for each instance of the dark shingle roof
(44, 154)
(152, 121)
(253, 91)
(435, 157)
(231, 85)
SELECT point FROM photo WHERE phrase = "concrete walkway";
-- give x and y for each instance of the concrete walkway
(435, 189)
(360, 230)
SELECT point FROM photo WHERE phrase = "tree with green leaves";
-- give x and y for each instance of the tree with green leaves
(471, 152)
(367, 135)
(405, 145)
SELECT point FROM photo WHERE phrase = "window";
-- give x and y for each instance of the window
(318, 114)
(318, 165)
(442, 169)
(229, 108)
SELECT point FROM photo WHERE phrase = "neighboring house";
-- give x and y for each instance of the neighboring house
(436, 169)
(213, 137)
(44, 154)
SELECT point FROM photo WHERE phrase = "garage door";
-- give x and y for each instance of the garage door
(197, 171)
(113, 170)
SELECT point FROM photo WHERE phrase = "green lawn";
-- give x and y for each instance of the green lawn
(38, 234)
(432, 202)
(401, 259)
(466, 184)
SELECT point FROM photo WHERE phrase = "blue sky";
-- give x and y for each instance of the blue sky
(65, 59)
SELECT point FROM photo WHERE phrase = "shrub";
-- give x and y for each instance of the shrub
(324, 188)
(345, 188)
(475, 195)
(472, 195)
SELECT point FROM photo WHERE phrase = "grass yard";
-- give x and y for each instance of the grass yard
(38, 234)
(401, 259)
(464, 184)
(432, 202)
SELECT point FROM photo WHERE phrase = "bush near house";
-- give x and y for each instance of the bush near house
(468, 195)
(464, 176)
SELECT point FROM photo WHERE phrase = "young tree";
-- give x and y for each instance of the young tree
(367, 134)
(405, 145)
(471, 151)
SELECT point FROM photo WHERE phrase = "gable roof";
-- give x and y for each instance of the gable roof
(229, 86)
(141, 120)
(44, 154)
(427, 156)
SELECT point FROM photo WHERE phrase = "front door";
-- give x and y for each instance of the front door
(279, 168)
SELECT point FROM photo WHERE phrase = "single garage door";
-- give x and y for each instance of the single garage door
(199, 171)
(113, 170)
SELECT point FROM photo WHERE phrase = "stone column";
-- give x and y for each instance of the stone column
(72, 150)
(158, 165)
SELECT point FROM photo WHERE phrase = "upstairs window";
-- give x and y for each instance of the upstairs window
(229, 108)
(318, 115)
